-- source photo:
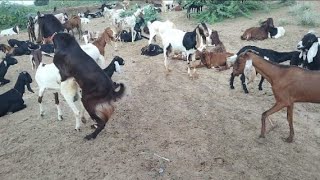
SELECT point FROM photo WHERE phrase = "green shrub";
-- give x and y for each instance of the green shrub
(218, 10)
(149, 13)
(14, 15)
(283, 22)
(299, 9)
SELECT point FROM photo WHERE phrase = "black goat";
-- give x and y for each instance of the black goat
(114, 66)
(19, 48)
(125, 36)
(11, 101)
(4, 66)
(31, 30)
(47, 48)
(151, 50)
(48, 25)
(310, 51)
(17, 43)
(98, 91)
(274, 56)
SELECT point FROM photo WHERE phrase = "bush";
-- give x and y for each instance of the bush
(14, 15)
(305, 15)
(217, 10)
(150, 13)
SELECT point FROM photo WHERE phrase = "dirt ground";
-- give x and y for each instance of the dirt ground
(167, 127)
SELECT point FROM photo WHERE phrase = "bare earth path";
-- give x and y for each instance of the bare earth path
(206, 130)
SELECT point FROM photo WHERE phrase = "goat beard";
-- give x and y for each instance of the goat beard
(29, 88)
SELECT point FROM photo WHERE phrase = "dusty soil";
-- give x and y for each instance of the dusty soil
(203, 128)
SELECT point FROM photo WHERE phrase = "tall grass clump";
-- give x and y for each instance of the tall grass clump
(217, 10)
(305, 14)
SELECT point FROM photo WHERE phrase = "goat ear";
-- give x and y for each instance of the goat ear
(312, 51)
(118, 69)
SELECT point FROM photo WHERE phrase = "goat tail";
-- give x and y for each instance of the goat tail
(119, 94)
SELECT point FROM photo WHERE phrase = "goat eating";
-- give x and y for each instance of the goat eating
(98, 91)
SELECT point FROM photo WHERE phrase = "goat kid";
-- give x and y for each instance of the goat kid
(258, 33)
(151, 50)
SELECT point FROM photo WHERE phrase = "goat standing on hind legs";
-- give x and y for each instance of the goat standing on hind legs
(98, 91)
(286, 85)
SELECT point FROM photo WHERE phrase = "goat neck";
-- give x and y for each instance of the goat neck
(267, 69)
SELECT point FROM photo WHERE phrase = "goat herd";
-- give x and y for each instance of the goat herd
(77, 71)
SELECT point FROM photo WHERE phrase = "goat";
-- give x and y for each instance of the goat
(73, 22)
(31, 30)
(4, 66)
(158, 27)
(215, 59)
(258, 33)
(11, 31)
(214, 40)
(98, 91)
(11, 101)
(125, 36)
(85, 20)
(151, 50)
(48, 24)
(274, 56)
(129, 22)
(17, 43)
(187, 42)
(276, 32)
(309, 45)
(106, 37)
(193, 6)
(286, 82)
(47, 77)
(14, 51)
(47, 48)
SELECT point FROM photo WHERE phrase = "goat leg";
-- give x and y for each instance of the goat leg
(17, 107)
(4, 81)
(243, 82)
(231, 81)
(260, 83)
(290, 121)
(267, 113)
(99, 127)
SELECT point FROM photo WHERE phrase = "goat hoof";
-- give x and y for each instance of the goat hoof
(60, 118)
(289, 139)
(260, 88)
(83, 120)
(231, 87)
(261, 136)
(77, 129)
(247, 92)
(89, 137)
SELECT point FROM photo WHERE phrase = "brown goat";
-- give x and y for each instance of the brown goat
(286, 82)
(215, 41)
(258, 33)
(73, 22)
(215, 59)
(106, 37)
(98, 90)
(178, 8)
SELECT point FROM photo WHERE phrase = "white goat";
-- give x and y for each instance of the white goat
(167, 3)
(129, 22)
(158, 27)
(10, 31)
(85, 20)
(186, 42)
